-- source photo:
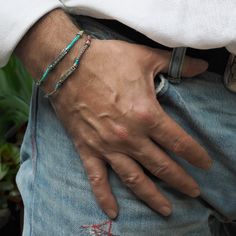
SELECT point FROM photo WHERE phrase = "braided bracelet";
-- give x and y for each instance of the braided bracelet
(61, 55)
(75, 65)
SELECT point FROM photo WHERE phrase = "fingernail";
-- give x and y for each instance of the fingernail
(206, 161)
(206, 165)
(111, 213)
(166, 211)
(195, 193)
(209, 164)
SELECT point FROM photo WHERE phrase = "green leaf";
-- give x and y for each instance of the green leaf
(15, 93)
(3, 170)
(9, 152)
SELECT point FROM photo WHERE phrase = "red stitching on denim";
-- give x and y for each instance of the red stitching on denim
(99, 229)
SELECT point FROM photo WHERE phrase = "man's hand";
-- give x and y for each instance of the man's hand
(109, 108)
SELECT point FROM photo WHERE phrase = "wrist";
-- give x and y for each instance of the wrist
(44, 41)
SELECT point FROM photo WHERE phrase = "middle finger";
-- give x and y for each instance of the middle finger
(162, 166)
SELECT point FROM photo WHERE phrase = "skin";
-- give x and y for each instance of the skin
(109, 108)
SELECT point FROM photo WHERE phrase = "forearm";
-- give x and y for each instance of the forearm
(16, 18)
(43, 43)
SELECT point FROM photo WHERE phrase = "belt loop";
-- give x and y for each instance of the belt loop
(176, 64)
(230, 74)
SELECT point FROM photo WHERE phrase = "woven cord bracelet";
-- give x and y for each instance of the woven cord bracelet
(75, 65)
(61, 55)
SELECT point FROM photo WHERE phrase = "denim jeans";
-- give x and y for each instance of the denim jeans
(57, 196)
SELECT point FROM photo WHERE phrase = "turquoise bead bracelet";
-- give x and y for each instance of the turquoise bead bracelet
(61, 55)
(75, 65)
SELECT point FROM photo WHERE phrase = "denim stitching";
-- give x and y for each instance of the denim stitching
(102, 229)
(34, 149)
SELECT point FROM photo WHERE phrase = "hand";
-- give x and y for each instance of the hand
(109, 108)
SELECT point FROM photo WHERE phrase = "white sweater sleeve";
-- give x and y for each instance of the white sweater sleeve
(16, 17)
(201, 24)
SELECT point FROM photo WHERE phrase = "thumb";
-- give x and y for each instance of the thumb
(193, 66)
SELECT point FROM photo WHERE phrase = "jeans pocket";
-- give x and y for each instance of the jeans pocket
(161, 85)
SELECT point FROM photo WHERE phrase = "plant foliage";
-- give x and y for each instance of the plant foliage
(15, 92)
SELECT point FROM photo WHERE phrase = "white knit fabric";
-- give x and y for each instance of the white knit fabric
(199, 24)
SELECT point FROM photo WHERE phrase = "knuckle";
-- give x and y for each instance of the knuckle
(117, 135)
(133, 180)
(102, 198)
(179, 145)
(144, 115)
(91, 142)
(96, 180)
(121, 133)
(139, 153)
(94, 144)
(162, 170)
(160, 122)
(107, 137)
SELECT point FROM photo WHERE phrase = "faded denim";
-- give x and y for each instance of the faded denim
(57, 196)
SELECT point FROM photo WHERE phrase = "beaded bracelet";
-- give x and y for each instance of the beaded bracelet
(75, 65)
(61, 55)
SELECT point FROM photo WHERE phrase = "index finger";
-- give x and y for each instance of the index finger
(171, 136)
(139, 183)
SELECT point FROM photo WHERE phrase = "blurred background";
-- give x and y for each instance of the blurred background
(15, 93)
